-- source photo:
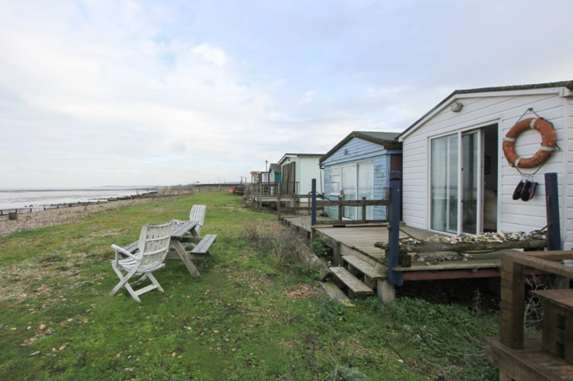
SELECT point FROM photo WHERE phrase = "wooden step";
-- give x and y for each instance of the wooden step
(363, 266)
(335, 293)
(355, 285)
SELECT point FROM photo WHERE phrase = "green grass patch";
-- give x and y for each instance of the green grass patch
(243, 319)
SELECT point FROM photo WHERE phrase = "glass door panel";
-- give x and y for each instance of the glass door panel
(349, 189)
(365, 187)
(444, 183)
(470, 178)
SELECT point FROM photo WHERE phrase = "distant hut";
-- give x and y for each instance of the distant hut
(274, 177)
(359, 166)
(297, 171)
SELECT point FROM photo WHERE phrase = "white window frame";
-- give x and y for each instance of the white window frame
(480, 212)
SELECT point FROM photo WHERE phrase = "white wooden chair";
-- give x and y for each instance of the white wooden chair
(147, 257)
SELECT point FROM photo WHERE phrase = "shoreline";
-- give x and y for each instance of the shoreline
(44, 207)
(68, 214)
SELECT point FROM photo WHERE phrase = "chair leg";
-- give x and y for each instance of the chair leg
(123, 279)
(132, 293)
(155, 282)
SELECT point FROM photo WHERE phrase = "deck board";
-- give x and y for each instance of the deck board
(531, 363)
(361, 239)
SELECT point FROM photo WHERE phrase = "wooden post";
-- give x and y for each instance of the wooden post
(340, 209)
(313, 203)
(363, 209)
(393, 252)
(512, 303)
(279, 204)
(259, 192)
(552, 207)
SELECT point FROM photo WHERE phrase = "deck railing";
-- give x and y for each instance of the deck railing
(393, 203)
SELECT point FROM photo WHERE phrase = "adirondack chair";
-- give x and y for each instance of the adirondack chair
(147, 257)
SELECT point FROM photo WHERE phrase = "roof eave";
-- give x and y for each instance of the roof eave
(549, 87)
(356, 134)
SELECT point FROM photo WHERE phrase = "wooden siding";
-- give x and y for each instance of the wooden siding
(357, 150)
(503, 110)
(306, 169)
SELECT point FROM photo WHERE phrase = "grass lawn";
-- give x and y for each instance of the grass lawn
(243, 319)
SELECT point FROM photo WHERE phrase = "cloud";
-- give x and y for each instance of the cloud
(211, 54)
(139, 92)
(308, 97)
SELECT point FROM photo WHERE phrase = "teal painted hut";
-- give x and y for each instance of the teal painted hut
(360, 166)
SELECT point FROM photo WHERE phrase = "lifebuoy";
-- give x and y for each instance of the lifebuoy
(548, 143)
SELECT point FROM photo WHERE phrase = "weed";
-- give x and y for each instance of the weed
(344, 373)
(321, 249)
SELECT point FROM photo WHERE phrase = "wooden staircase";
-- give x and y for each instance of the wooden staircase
(357, 277)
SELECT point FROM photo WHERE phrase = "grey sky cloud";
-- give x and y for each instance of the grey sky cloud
(145, 92)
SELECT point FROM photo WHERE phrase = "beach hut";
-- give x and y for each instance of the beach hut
(360, 166)
(463, 160)
(297, 171)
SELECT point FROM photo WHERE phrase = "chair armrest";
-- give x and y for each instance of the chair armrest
(121, 250)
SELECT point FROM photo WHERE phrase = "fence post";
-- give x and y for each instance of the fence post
(340, 209)
(393, 253)
(552, 208)
(364, 209)
(313, 203)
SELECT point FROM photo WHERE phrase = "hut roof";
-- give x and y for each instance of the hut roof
(386, 139)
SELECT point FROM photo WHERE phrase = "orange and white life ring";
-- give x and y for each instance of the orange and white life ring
(548, 143)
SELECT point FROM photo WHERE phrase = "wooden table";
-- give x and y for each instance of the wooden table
(181, 232)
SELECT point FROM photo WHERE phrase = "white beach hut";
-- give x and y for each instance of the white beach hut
(456, 178)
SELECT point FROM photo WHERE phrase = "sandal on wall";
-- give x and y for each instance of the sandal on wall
(528, 191)
(518, 190)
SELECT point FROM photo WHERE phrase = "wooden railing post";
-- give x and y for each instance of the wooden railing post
(313, 203)
(552, 208)
(393, 253)
(512, 303)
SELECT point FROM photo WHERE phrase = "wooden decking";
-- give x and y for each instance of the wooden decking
(531, 363)
(359, 240)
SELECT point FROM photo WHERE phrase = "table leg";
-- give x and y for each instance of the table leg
(180, 250)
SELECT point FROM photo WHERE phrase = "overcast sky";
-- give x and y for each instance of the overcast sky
(165, 92)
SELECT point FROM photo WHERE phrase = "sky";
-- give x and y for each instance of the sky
(111, 92)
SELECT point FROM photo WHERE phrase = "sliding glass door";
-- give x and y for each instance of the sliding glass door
(456, 183)
(349, 189)
(365, 187)
(444, 183)
(470, 177)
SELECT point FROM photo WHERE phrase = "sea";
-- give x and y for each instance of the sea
(34, 198)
